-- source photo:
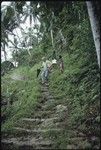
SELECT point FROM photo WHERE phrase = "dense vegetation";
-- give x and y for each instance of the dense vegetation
(65, 27)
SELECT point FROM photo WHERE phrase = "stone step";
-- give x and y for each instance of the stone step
(46, 95)
(38, 119)
(22, 132)
(44, 114)
(49, 97)
(36, 131)
(27, 143)
(43, 125)
(71, 146)
(31, 123)
(51, 104)
(80, 142)
(44, 90)
(44, 87)
(76, 139)
(38, 148)
(41, 102)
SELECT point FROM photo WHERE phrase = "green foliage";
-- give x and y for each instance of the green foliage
(24, 95)
(24, 59)
(19, 6)
(77, 88)
(79, 85)
(6, 66)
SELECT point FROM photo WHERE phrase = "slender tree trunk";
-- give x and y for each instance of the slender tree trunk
(62, 37)
(15, 57)
(95, 28)
(35, 23)
(30, 22)
(5, 54)
(37, 34)
(37, 38)
(30, 29)
(52, 38)
(15, 63)
(51, 31)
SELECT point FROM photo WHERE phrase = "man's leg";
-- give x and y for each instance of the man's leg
(46, 74)
(43, 76)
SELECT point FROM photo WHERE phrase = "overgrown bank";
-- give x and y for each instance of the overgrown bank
(79, 86)
(20, 94)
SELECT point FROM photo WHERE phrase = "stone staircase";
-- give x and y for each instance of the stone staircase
(48, 119)
(30, 131)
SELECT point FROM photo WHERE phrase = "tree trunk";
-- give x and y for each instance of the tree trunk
(30, 23)
(30, 30)
(5, 54)
(15, 63)
(95, 28)
(52, 38)
(62, 37)
(37, 33)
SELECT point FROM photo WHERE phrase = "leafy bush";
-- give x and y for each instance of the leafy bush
(80, 81)
(6, 66)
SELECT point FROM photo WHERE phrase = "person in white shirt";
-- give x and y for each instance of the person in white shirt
(44, 71)
(49, 64)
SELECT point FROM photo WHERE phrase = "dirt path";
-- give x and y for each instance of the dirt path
(18, 77)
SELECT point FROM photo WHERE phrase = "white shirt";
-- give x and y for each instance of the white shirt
(54, 61)
(44, 65)
(48, 63)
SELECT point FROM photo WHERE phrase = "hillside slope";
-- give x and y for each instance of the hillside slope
(73, 90)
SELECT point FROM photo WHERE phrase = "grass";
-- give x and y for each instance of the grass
(24, 95)
(78, 88)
